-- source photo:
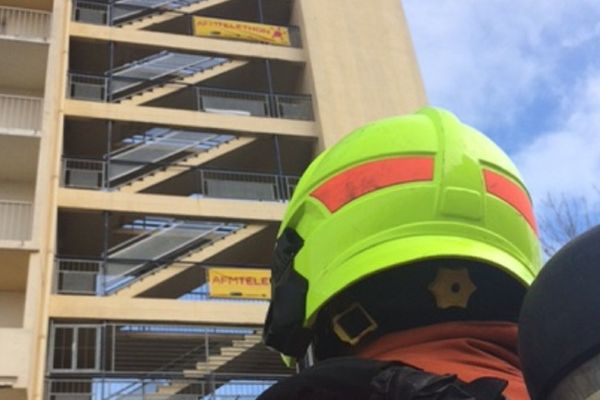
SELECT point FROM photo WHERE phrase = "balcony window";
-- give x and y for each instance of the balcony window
(76, 348)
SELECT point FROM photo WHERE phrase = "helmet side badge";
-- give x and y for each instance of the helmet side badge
(452, 288)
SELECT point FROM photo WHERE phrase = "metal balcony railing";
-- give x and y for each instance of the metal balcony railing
(243, 185)
(24, 24)
(233, 102)
(91, 12)
(119, 11)
(20, 112)
(78, 276)
(216, 388)
(237, 102)
(292, 107)
(87, 87)
(213, 100)
(15, 220)
(83, 173)
(212, 183)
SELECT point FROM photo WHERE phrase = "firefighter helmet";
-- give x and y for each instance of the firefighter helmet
(397, 197)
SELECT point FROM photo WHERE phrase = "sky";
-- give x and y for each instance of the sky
(526, 73)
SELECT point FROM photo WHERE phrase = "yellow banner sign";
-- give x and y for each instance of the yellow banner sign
(230, 29)
(243, 283)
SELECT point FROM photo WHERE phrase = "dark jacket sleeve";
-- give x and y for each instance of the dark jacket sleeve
(349, 378)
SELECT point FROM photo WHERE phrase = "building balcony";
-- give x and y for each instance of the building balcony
(228, 19)
(20, 115)
(18, 168)
(157, 361)
(178, 180)
(15, 340)
(128, 255)
(147, 350)
(204, 99)
(97, 277)
(166, 160)
(15, 347)
(153, 244)
(16, 217)
(24, 24)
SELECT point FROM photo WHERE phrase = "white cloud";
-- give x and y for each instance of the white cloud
(581, 35)
(489, 60)
(567, 158)
(528, 74)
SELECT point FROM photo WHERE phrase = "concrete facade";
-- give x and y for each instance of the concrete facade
(77, 194)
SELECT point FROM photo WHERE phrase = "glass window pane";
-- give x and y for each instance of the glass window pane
(63, 348)
(86, 348)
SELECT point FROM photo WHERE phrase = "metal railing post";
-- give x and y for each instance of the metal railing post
(206, 346)
(55, 276)
(105, 243)
(113, 347)
(203, 188)
(213, 386)
(109, 132)
(109, 14)
(111, 66)
(278, 162)
(63, 173)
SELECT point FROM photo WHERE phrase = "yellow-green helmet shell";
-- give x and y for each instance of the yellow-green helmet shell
(406, 189)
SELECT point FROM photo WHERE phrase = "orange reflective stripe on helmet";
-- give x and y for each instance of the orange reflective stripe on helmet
(512, 193)
(355, 182)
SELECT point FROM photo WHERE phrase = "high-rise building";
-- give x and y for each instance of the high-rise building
(147, 151)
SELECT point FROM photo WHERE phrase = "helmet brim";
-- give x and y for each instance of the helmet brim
(405, 251)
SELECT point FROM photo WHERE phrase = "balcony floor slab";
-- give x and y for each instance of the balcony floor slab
(152, 204)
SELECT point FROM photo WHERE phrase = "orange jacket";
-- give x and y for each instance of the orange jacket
(470, 350)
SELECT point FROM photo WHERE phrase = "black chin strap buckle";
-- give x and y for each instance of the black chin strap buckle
(284, 326)
(352, 324)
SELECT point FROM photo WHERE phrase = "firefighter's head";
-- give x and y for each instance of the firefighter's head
(406, 222)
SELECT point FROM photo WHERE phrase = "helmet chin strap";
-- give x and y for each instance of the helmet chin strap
(307, 361)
